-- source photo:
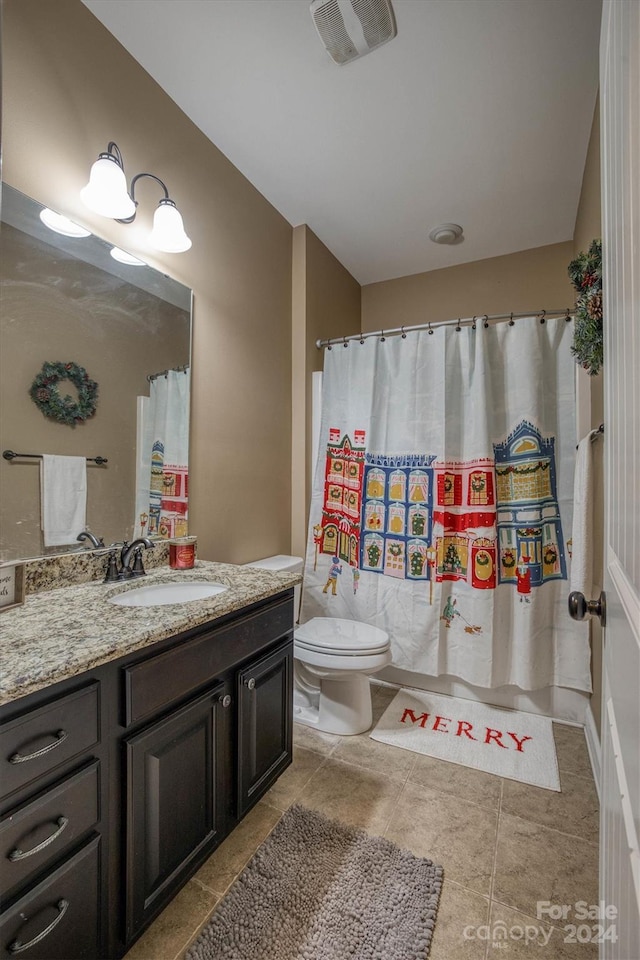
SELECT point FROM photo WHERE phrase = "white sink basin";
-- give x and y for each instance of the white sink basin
(164, 593)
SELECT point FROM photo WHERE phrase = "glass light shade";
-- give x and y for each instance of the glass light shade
(123, 257)
(106, 193)
(168, 230)
(55, 221)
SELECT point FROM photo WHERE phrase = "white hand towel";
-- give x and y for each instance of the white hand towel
(63, 487)
(582, 533)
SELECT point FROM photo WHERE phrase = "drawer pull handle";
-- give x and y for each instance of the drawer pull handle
(17, 947)
(20, 855)
(251, 683)
(225, 701)
(61, 736)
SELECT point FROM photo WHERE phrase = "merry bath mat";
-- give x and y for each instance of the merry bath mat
(317, 888)
(518, 746)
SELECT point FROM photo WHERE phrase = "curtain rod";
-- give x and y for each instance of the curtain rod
(458, 321)
(163, 373)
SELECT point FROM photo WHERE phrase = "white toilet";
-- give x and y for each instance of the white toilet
(333, 659)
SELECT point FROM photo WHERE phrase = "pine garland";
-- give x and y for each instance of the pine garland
(585, 273)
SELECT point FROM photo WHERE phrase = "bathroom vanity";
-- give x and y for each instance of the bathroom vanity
(132, 757)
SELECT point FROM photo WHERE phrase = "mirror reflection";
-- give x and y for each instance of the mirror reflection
(73, 317)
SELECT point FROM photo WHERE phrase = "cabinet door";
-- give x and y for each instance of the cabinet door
(175, 810)
(265, 723)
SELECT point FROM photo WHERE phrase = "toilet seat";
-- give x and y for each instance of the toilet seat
(334, 637)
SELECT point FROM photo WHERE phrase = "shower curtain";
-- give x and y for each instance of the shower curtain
(162, 502)
(442, 499)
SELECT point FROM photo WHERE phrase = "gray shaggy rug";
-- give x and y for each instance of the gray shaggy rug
(319, 890)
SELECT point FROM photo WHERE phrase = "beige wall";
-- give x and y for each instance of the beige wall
(590, 411)
(69, 88)
(56, 307)
(529, 280)
(326, 303)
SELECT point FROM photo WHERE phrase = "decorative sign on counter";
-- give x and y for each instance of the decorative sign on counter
(11, 586)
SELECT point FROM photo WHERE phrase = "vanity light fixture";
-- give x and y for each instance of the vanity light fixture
(123, 257)
(106, 194)
(58, 223)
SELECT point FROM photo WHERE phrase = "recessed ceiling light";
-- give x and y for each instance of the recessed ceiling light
(123, 257)
(447, 233)
(55, 221)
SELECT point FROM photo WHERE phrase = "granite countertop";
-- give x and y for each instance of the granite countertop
(60, 633)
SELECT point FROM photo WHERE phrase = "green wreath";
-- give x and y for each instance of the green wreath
(508, 560)
(550, 556)
(45, 393)
(585, 273)
(395, 550)
(482, 558)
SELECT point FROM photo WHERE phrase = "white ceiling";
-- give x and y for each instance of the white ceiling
(477, 113)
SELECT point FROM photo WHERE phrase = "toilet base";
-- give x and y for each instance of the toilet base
(341, 706)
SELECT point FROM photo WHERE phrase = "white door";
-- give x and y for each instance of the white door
(620, 787)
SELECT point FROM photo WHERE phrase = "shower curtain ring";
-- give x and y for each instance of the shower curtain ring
(567, 315)
(404, 336)
(473, 323)
(344, 342)
(458, 327)
(361, 338)
(382, 336)
(430, 330)
(486, 320)
(543, 314)
(511, 320)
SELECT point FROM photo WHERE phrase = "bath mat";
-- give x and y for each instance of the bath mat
(508, 743)
(319, 890)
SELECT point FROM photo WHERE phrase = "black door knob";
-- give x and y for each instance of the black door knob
(580, 607)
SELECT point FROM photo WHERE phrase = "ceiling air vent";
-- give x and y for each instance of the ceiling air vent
(351, 28)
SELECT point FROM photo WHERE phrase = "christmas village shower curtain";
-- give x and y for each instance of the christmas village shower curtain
(162, 495)
(442, 501)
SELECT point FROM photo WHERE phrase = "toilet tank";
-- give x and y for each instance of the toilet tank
(288, 565)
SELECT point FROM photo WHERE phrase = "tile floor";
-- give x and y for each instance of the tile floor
(503, 845)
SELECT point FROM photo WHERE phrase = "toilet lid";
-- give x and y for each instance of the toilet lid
(329, 634)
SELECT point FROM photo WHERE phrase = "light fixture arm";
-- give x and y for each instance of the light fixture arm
(113, 153)
(132, 192)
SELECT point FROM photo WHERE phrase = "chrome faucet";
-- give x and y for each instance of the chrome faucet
(87, 535)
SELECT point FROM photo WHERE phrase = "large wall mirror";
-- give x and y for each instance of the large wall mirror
(67, 300)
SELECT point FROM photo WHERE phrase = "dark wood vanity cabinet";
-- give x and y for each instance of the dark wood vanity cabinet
(118, 784)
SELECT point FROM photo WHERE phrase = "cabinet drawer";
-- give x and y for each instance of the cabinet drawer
(171, 676)
(40, 831)
(58, 919)
(36, 742)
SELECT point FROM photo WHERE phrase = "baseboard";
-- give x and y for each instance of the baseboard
(593, 745)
